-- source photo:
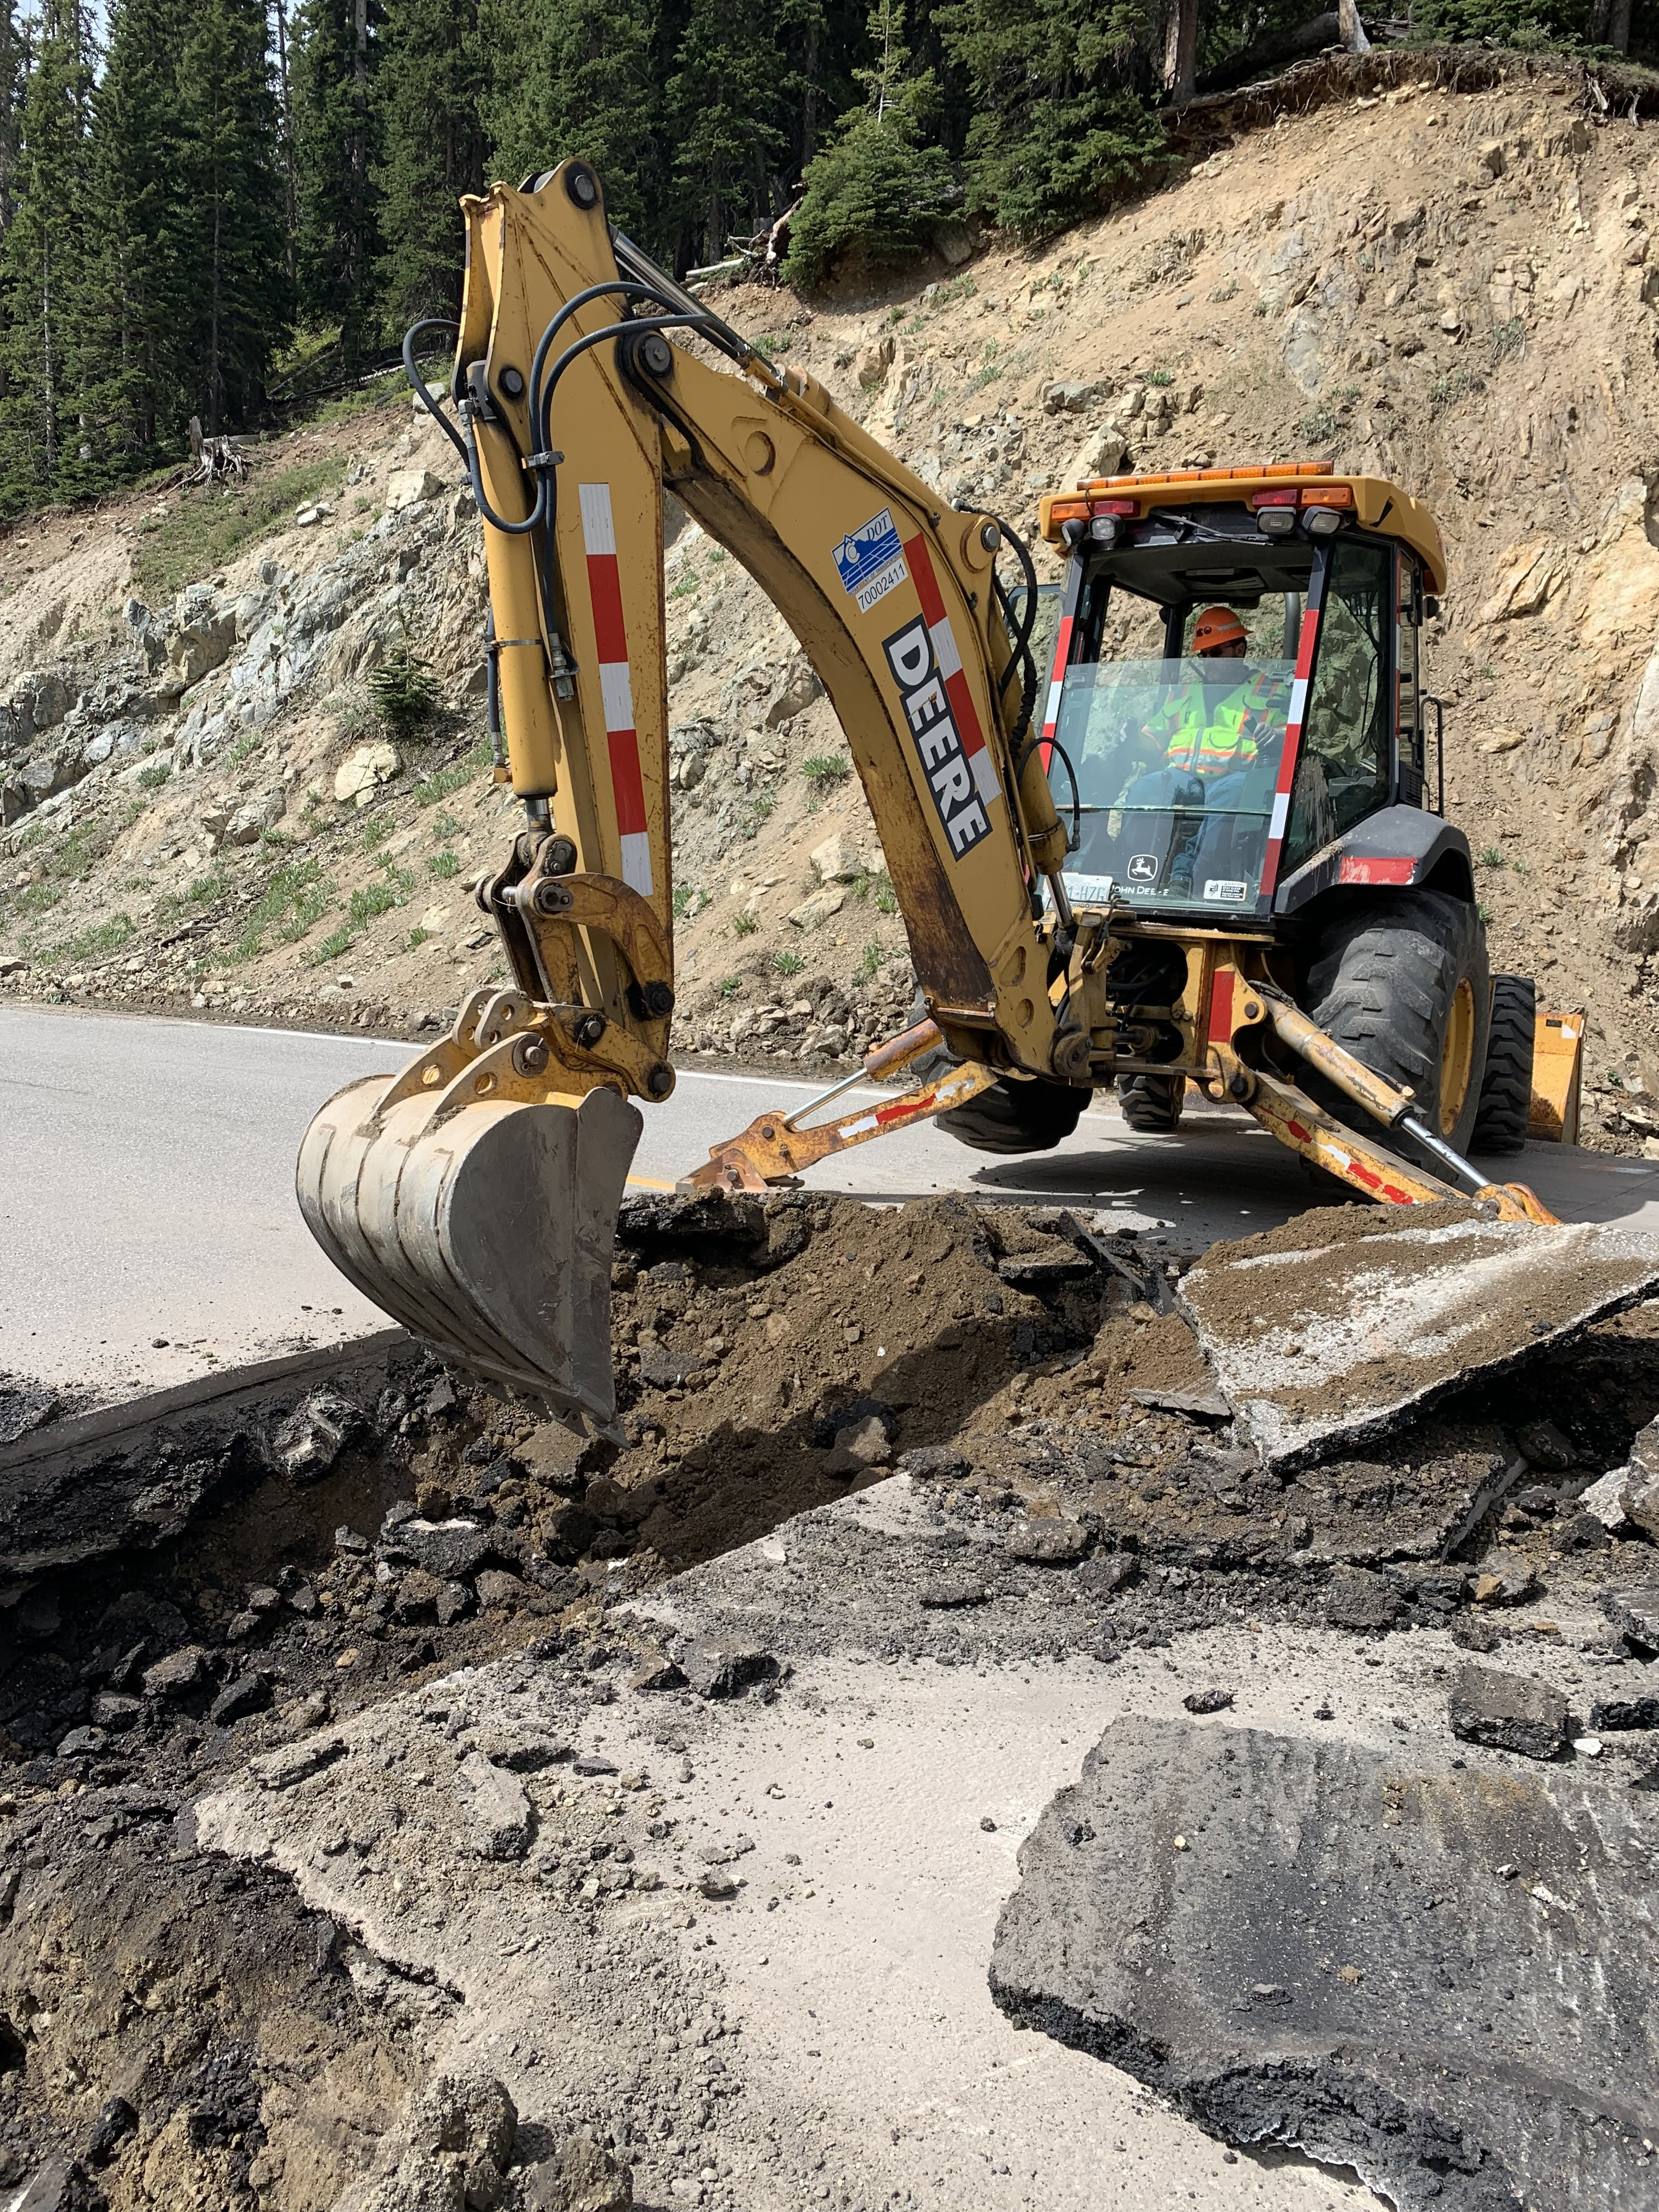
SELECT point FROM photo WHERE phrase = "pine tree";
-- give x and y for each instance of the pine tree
(582, 78)
(1059, 118)
(12, 76)
(723, 102)
(428, 90)
(880, 186)
(136, 310)
(234, 265)
(43, 267)
(331, 69)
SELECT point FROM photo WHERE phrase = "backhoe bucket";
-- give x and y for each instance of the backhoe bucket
(488, 1229)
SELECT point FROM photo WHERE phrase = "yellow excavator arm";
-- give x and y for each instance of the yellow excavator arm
(475, 1195)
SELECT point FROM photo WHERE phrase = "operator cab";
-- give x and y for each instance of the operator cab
(1176, 694)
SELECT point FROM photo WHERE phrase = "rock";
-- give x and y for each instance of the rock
(1208, 1701)
(859, 1447)
(1526, 579)
(1544, 1446)
(497, 1587)
(248, 1694)
(249, 824)
(656, 1671)
(1634, 1611)
(715, 1670)
(1049, 1543)
(113, 1711)
(583, 2178)
(364, 769)
(59, 2186)
(935, 1463)
(520, 1754)
(452, 2152)
(1198, 1405)
(202, 636)
(873, 361)
(503, 1820)
(176, 1675)
(309, 1442)
(295, 1762)
(813, 913)
(1605, 1499)
(410, 487)
(452, 1550)
(81, 1743)
(954, 243)
(718, 1886)
(590, 1764)
(837, 860)
(1334, 1965)
(417, 1597)
(1475, 1636)
(115, 2123)
(1069, 399)
(1104, 453)
(1362, 1603)
(1504, 1579)
(1508, 1712)
(454, 1602)
(950, 1593)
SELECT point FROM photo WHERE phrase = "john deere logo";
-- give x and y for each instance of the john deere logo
(1143, 868)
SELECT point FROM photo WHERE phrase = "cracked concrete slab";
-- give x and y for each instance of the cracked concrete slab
(752, 1934)
(1338, 1327)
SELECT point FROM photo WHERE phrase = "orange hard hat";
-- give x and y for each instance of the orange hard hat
(1217, 626)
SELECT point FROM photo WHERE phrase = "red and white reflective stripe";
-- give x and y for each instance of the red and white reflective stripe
(610, 643)
(950, 667)
(1282, 813)
(1051, 712)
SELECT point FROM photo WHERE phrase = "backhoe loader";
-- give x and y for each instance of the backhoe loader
(1197, 838)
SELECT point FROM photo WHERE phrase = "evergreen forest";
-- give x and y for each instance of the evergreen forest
(208, 206)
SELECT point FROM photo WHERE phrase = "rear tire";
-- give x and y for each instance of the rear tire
(1500, 1124)
(1152, 1103)
(1404, 986)
(1010, 1118)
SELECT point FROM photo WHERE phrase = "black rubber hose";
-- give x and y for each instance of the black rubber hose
(418, 382)
(640, 327)
(578, 300)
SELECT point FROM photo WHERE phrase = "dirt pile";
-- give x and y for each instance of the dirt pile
(1450, 287)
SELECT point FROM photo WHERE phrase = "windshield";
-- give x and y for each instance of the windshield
(1175, 764)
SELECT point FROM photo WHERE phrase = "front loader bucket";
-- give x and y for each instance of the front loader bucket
(489, 1231)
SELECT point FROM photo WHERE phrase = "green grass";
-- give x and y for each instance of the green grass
(245, 747)
(293, 902)
(455, 777)
(332, 946)
(1483, 910)
(444, 866)
(1506, 338)
(1520, 867)
(103, 940)
(958, 288)
(885, 900)
(446, 827)
(686, 586)
(1160, 377)
(787, 964)
(826, 771)
(683, 895)
(376, 830)
(152, 779)
(745, 924)
(1227, 291)
(1317, 428)
(417, 937)
(204, 529)
(1492, 857)
(729, 986)
(871, 960)
(370, 900)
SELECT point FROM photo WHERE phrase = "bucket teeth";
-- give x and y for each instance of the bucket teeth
(488, 1231)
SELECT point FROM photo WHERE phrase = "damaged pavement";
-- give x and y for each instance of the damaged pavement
(942, 1756)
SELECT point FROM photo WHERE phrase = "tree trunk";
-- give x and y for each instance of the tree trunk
(1354, 31)
(809, 110)
(1618, 26)
(1181, 51)
(1269, 53)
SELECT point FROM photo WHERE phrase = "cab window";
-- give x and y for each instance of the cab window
(1342, 773)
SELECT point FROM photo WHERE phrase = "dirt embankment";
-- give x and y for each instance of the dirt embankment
(1451, 287)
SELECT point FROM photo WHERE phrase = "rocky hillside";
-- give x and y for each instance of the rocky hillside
(1453, 288)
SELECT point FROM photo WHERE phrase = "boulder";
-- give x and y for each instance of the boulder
(250, 822)
(1508, 1712)
(410, 487)
(501, 1820)
(583, 2178)
(201, 634)
(309, 1442)
(452, 2152)
(362, 771)
(813, 913)
(837, 860)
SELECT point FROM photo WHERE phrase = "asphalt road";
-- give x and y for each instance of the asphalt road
(148, 1190)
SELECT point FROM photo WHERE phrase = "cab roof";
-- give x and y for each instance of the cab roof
(1376, 504)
